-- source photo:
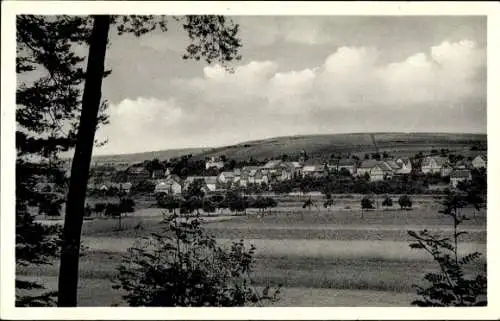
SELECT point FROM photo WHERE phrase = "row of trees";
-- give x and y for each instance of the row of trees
(210, 204)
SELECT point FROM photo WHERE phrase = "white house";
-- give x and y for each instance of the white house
(446, 170)
(291, 170)
(365, 167)
(214, 163)
(381, 171)
(260, 178)
(459, 175)
(404, 165)
(313, 171)
(433, 164)
(171, 185)
(211, 182)
(480, 161)
(226, 177)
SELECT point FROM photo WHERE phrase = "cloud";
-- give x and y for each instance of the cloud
(139, 123)
(354, 89)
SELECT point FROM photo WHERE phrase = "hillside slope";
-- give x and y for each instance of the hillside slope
(320, 147)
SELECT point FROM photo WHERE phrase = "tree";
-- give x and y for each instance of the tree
(144, 186)
(184, 266)
(195, 188)
(450, 286)
(366, 204)
(208, 206)
(387, 202)
(127, 205)
(405, 202)
(169, 202)
(328, 201)
(100, 207)
(212, 37)
(88, 210)
(47, 102)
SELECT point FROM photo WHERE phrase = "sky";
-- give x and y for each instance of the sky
(298, 75)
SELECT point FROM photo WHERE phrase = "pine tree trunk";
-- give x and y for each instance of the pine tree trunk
(70, 250)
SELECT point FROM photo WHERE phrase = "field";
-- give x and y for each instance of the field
(322, 257)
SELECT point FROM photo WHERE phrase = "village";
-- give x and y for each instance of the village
(163, 179)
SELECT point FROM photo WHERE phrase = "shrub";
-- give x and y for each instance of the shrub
(449, 286)
(387, 201)
(366, 203)
(126, 205)
(184, 266)
(405, 202)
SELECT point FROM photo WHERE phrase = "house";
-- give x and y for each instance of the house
(236, 175)
(291, 170)
(433, 164)
(365, 167)
(249, 173)
(138, 173)
(480, 161)
(462, 164)
(381, 171)
(243, 179)
(261, 177)
(404, 166)
(210, 181)
(446, 170)
(226, 177)
(313, 171)
(168, 172)
(459, 175)
(162, 187)
(214, 163)
(157, 173)
(125, 187)
(171, 185)
(348, 164)
(272, 165)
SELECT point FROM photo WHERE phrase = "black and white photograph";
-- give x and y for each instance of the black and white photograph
(182, 158)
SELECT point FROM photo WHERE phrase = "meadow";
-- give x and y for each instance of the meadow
(322, 257)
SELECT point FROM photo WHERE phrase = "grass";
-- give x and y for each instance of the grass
(323, 258)
(358, 275)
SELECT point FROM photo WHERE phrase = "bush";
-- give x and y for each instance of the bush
(142, 187)
(127, 205)
(184, 266)
(366, 203)
(100, 207)
(449, 286)
(169, 202)
(405, 202)
(387, 201)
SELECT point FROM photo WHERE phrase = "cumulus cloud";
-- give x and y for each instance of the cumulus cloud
(141, 122)
(353, 89)
(352, 77)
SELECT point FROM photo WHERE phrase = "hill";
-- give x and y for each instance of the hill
(320, 147)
